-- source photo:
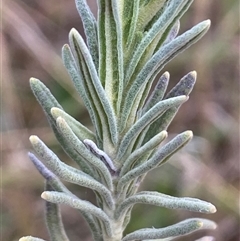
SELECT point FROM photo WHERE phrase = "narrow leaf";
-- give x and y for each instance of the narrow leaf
(163, 200)
(62, 198)
(178, 229)
(158, 60)
(78, 81)
(30, 238)
(80, 130)
(158, 92)
(84, 152)
(47, 101)
(111, 53)
(155, 112)
(67, 173)
(57, 185)
(90, 28)
(44, 96)
(131, 22)
(184, 87)
(159, 26)
(54, 221)
(94, 86)
(150, 145)
(173, 32)
(148, 12)
(51, 178)
(159, 158)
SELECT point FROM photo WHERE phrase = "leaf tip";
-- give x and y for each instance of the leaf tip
(73, 32)
(164, 133)
(213, 209)
(55, 112)
(189, 134)
(33, 80)
(44, 195)
(206, 24)
(167, 74)
(194, 74)
(33, 139)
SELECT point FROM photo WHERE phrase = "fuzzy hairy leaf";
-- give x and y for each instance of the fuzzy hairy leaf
(54, 220)
(68, 173)
(152, 114)
(62, 198)
(163, 200)
(90, 28)
(182, 228)
(159, 158)
(184, 87)
(94, 88)
(157, 62)
(127, 45)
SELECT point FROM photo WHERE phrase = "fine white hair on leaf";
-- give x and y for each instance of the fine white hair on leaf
(100, 154)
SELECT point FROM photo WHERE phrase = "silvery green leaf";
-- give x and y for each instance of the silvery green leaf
(182, 228)
(57, 185)
(90, 28)
(94, 88)
(77, 78)
(147, 14)
(68, 173)
(80, 130)
(138, 153)
(157, 62)
(62, 198)
(166, 18)
(158, 158)
(150, 11)
(51, 178)
(148, 118)
(130, 21)
(54, 220)
(163, 200)
(158, 92)
(86, 154)
(43, 95)
(101, 155)
(183, 87)
(111, 53)
(162, 40)
(47, 101)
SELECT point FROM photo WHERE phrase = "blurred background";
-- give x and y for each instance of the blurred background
(32, 35)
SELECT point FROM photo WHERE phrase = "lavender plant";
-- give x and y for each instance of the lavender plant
(126, 49)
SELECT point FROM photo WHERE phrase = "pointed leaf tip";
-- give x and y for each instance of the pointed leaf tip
(73, 32)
